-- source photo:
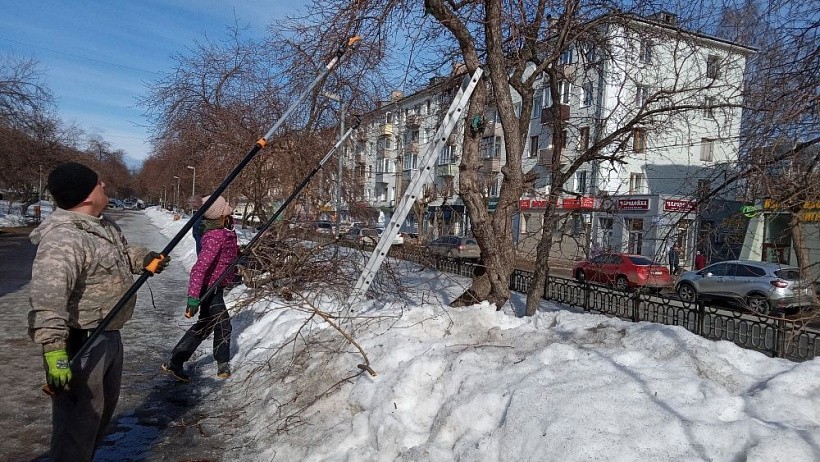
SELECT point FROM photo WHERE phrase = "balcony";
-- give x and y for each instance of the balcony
(493, 128)
(491, 165)
(413, 120)
(546, 114)
(386, 130)
(545, 157)
(447, 170)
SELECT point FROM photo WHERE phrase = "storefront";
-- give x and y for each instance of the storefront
(646, 225)
(770, 236)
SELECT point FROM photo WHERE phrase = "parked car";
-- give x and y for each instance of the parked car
(326, 227)
(623, 271)
(362, 236)
(455, 247)
(762, 287)
(398, 240)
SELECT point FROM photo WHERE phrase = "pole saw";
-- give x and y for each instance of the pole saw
(261, 230)
(151, 268)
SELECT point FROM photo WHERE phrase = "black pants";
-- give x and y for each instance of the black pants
(213, 317)
(81, 411)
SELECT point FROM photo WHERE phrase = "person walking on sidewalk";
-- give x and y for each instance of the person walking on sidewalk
(700, 261)
(83, 266)
(674, 260)
(219, 250)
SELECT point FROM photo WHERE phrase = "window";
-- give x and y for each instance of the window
(583, 138)
(384, 142)
(712, 67)
(709, 107)
(581, 181)
(639, 140)
(388, 117)
(412, 137)
(564, 138)
(533, 146)
(447, 155)
(586, 89)
(635, 183)
(707, 149)
(590, 54)
(645, 52)
(411, 161)
(494, 189)
(564, 88)
(536, 105)
(641, 95)
(566, 57)
(490, 147)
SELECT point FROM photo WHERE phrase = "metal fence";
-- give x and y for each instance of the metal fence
(774, 336)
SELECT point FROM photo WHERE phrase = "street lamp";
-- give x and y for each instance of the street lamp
(176, 196)
(341, 102)
(193, 187)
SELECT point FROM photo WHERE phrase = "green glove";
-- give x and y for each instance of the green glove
(192, 307)
(58, 370)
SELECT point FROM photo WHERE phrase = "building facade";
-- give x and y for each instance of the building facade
(678, 92)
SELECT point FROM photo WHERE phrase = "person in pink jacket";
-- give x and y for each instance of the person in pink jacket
(219, 250)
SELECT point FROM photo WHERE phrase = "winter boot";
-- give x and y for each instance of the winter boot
(176, 372)
(223, 370)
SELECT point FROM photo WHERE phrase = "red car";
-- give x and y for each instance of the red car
(623, 271)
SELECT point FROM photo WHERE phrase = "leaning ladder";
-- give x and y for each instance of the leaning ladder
(426, 163)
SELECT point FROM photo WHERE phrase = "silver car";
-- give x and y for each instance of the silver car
(455, 247)
(762, 287)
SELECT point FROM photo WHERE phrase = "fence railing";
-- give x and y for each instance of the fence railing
(775, 336)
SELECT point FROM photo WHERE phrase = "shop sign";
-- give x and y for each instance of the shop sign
(676, 205)
(573, 203)
(769, 204)
(526, 204)
(633, 204)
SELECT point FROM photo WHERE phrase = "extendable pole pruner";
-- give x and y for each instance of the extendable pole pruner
(252, 243)
(149, 270)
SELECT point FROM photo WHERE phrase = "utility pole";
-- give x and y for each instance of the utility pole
(193, 186)
(340, 171)
(176, 195)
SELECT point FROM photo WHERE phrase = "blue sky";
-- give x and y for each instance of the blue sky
(97, 56)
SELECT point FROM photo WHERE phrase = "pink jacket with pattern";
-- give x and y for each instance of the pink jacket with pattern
(219, 249)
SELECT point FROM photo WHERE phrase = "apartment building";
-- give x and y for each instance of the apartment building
(671, 96)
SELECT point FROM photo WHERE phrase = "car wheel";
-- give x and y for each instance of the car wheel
(580, 276)
(622, 283)
(758, 304)
(687, 292)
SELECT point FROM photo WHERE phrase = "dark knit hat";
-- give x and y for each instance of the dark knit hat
(71, 183)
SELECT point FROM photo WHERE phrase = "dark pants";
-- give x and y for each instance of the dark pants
(213, 317)
(81, 411)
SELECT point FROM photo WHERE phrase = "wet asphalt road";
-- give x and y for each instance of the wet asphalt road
(157, 419)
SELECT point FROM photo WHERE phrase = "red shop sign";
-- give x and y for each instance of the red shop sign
(572, 203)
(633, 204)
(675, 205)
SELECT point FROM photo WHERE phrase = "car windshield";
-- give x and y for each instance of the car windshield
(641, 261)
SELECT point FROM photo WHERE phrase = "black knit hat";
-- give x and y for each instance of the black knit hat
(71, 183)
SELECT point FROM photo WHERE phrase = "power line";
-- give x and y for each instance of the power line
(80, 57)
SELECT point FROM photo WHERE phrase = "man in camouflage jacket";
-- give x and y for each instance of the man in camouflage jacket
(83, 267)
